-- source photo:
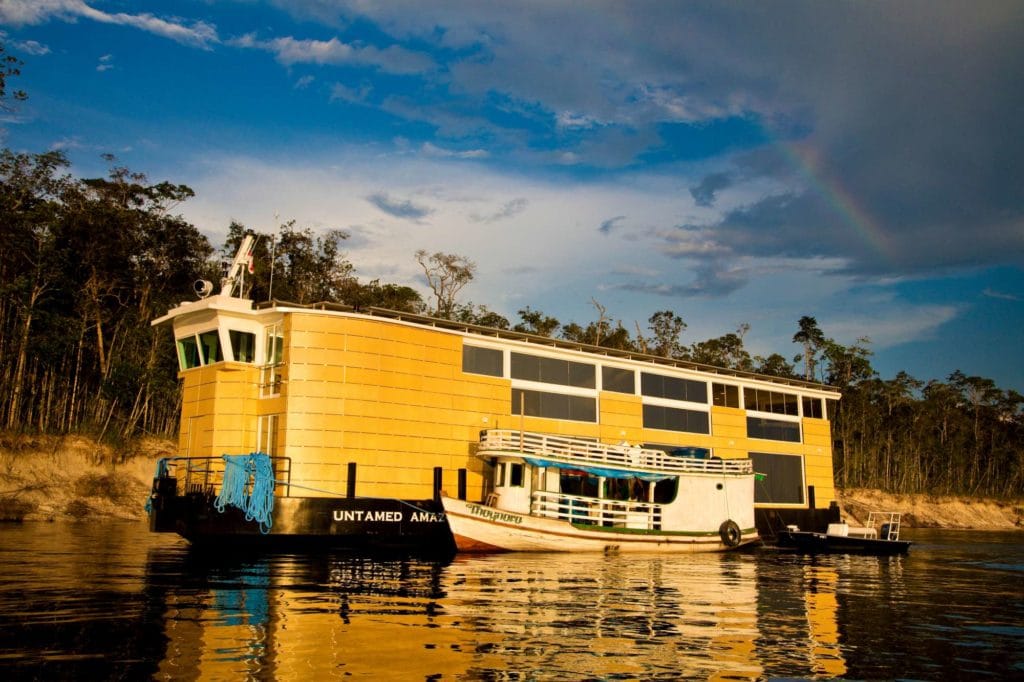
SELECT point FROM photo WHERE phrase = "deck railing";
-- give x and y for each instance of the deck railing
(587, 510)
(206, 474)
(584, 452)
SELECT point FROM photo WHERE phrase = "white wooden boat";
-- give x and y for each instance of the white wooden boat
(557, 494)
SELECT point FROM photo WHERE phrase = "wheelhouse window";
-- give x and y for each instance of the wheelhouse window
(209, 347)
(554, 405)
(243, 345)
(783, 481)
(486, 361)
(188, 353)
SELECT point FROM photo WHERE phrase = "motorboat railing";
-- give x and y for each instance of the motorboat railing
(588, 510)
(205, 475)
(886, 524)
(494, 442)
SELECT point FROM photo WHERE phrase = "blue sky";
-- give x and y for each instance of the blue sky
(735, 162)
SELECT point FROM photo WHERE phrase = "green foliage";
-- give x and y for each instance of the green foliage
(86, 264)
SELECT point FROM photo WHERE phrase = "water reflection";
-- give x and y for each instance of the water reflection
(103, 602)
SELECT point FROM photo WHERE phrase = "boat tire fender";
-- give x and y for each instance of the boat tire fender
(730, 533)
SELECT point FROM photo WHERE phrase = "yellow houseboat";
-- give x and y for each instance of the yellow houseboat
(331, 426)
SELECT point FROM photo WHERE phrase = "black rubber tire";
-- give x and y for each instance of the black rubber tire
(730, 533)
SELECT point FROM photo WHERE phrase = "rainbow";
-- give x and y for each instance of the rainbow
(804, 159)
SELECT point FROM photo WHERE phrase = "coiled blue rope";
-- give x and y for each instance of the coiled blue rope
(249, 485)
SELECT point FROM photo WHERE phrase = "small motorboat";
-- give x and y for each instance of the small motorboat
(880, 536)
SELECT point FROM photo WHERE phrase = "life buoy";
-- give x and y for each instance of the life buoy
(730, 533)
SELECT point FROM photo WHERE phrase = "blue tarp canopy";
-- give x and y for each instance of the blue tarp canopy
(597, 471)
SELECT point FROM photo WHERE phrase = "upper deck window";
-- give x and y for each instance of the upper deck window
(674, 388)
(553, 371)
(725, 395)
(812, 408)
(487, 361)
(760, 400)
(618, 380)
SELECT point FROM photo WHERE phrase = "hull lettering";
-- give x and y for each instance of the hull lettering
(492, 515)
(360, 515)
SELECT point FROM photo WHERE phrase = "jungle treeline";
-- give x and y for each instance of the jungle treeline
(86, 264)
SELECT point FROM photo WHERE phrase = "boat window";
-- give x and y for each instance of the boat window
(209, 345)
(760, 400)
(553, 371)
(266, 434)
(188, 353)
(725, 395)
(618, 380)
(499, 475)
(665, 491)
(243, 345)
(515, 477)
(783, 480)
(275, 344)
(812, 408)
(773, 429)
(675, 419)
(554, 405)
(674, 388)
(573, 482)
(487, 361)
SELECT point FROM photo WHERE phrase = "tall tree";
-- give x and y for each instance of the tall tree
(667, 328)
(812, 339)
(447, 274)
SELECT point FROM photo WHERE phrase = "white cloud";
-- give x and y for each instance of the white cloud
(21, 12)
(289, 51)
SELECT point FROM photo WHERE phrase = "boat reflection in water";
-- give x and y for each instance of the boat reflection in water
(496, 616)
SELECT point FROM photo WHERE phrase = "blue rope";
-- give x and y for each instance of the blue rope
(249, 485)
(161, 471)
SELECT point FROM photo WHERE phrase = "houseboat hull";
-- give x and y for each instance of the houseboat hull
(479, 528)
(328, 523)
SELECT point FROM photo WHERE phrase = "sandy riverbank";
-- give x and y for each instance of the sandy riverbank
(72, 477)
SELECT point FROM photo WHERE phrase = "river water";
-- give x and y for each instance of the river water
(112, 601)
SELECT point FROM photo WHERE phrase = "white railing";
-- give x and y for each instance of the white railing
(589, 510)
(586, 452)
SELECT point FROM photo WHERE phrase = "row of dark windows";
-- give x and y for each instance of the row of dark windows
(675, 419)
(554, 405)
(489, 362)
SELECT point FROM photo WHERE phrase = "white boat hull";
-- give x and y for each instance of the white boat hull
(478, 528)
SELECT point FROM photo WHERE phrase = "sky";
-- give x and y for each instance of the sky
(737, 163)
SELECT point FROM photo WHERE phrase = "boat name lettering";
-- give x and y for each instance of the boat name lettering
(363, 515)
(493, 515)
(428, 517)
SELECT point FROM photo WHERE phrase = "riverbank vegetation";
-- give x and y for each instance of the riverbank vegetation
(88, 263)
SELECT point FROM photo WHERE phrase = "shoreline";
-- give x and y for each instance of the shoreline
(47, 478)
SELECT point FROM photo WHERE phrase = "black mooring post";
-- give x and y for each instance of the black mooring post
(810, 497)
(462, 484)
(437, 484)
(351, 492)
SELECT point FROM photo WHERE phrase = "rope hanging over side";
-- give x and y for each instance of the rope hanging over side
(249, 485)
